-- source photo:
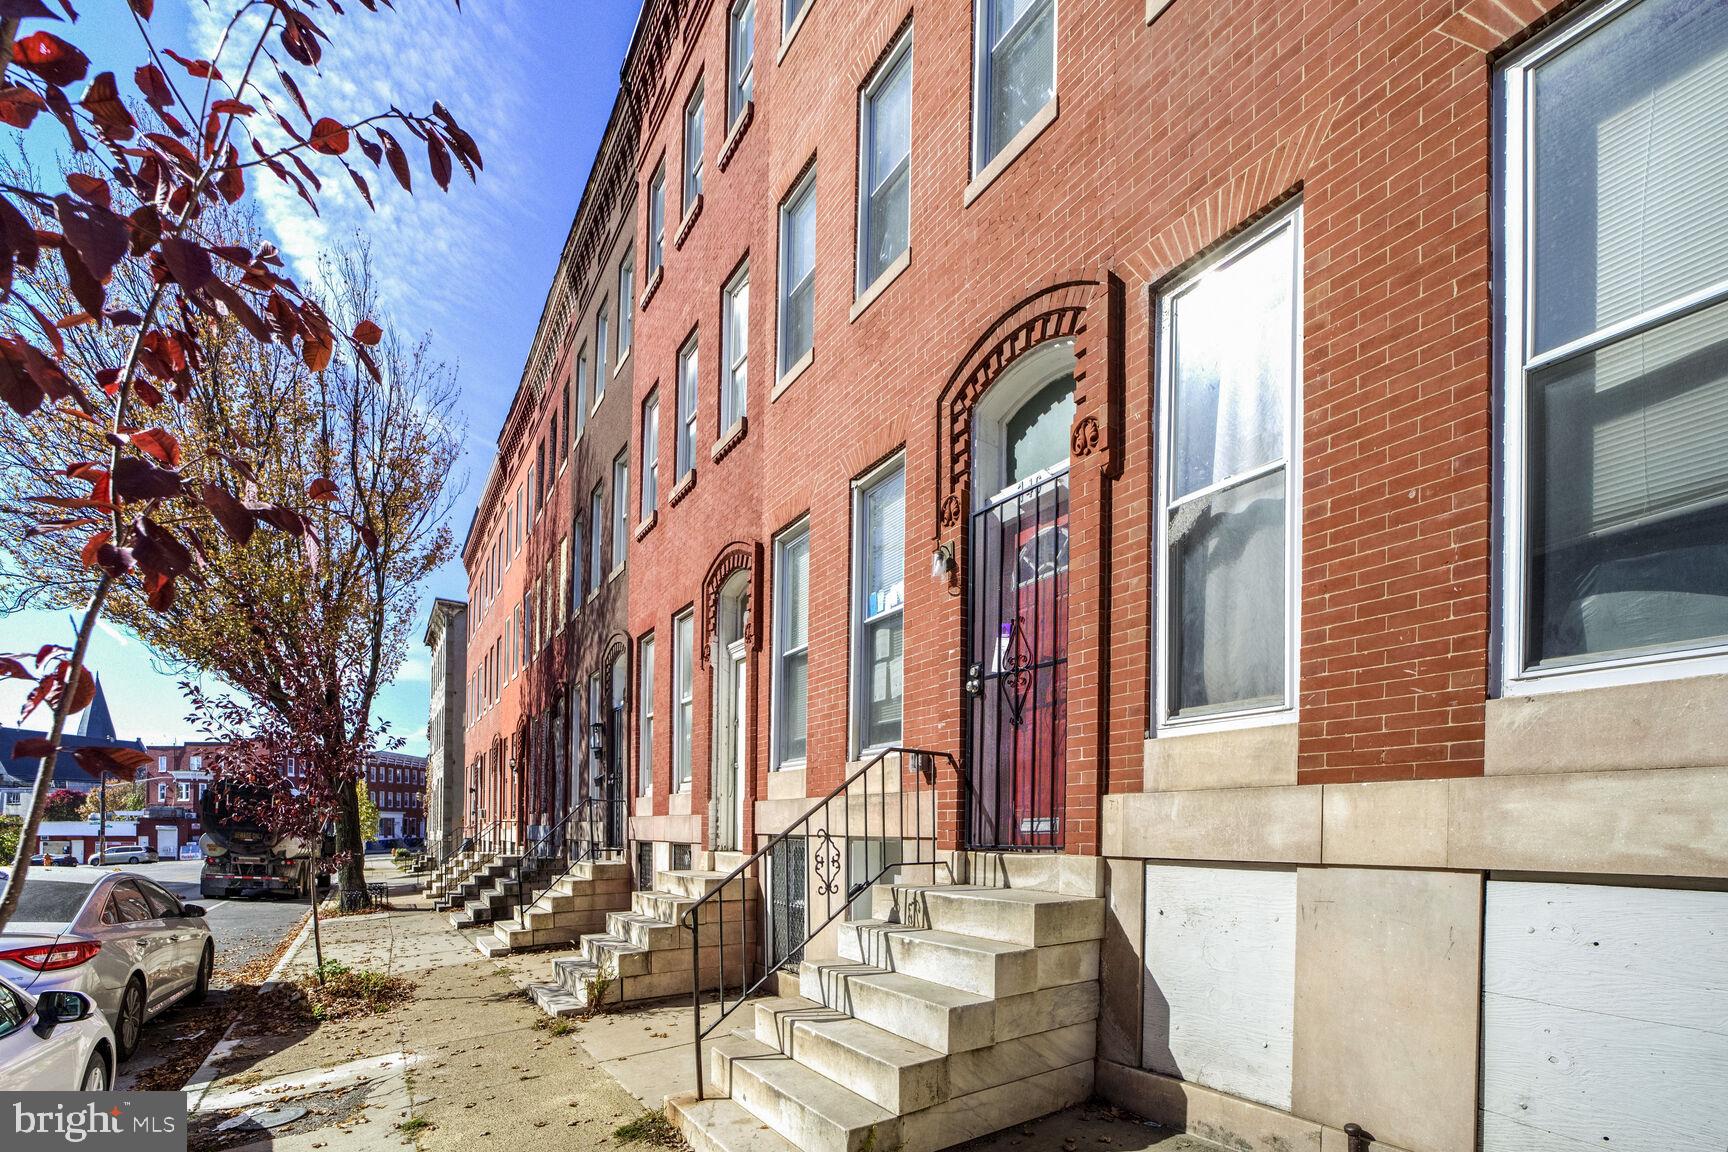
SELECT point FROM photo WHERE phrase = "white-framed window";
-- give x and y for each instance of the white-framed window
(580, 416)
(1014, 71)
(657, 219)
(790, 10)
(626, 304)
(798, 273)
(162, 792)
(683, 683)
(197, 763)
(791, 685)
(563, 580)
(684, 448)
(600, 353)
(183, 790)
(596, 538)
(734, 386)
(885, 164)
(1229, 347)
(879, 595)
(578, 560)
(620, 507)
(693, 148)
(596, 715)
(740, 59)
(1615, 290)
(645, 716)
(650, 454)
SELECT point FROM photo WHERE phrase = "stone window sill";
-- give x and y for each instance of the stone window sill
(736, 136)
(683, 489)
(646, 526)
(733, 438)
(889, 275)
(688, 223)
(1004, 159)
(653, 287)
(791, 374)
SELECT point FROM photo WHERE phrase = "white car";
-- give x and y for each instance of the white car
(55, 1042)
(124, 941)
(125, 854)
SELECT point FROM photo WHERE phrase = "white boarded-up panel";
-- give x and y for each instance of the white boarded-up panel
(1604, 1019)
(1220, 977)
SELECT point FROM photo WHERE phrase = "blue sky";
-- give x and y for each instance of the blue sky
(533, 81)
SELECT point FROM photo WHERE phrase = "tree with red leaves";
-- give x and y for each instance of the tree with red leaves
(212, 128)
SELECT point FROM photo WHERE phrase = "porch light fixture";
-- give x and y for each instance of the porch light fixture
(597, 741)
(942, 566)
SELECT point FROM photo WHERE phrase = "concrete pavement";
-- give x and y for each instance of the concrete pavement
(469, 1062)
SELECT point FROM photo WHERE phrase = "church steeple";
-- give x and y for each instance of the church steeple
(97, 722)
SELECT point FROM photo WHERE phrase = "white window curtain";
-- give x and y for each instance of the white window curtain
(683, 630)
(882, 517)
(645, 714)
(734, 398)
(792, 640)
(1231, 345)
(685, 446)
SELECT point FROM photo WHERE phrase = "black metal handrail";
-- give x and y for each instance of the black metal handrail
(914, 765)
(487, 839)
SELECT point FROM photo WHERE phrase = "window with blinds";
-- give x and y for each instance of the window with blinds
(1617, 187)
(791, 645)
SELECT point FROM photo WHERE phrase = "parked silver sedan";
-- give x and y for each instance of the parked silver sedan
(124, 941)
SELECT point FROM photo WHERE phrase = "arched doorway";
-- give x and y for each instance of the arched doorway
(730, 660)
(1017, 602)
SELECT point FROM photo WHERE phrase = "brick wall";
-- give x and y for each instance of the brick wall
(1170, 138)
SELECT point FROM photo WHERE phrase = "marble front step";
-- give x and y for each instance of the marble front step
(991, 1089)
(941, 1017)
(801, 1104)
(884, 1068)
(721, 1125)
(1026, 916)
(696, 882)
(971, 963)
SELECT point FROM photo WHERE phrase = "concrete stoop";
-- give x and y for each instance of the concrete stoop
(963, 1011)
(576, 903)
(482, 883)
(644, 954)
(453, 872)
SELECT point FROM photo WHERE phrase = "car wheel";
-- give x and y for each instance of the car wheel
(95, 1074)
(201, 987)
(130, 1025)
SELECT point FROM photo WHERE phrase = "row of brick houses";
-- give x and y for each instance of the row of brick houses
(1271, 456)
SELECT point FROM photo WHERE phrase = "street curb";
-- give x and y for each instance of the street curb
(199, 1086)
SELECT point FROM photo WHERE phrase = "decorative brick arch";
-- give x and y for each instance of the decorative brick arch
(738, 556)
(1068, 309)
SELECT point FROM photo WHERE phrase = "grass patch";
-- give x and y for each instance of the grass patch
(651, 1128)
(557, 1025)
(346, 993)
(414, 1124)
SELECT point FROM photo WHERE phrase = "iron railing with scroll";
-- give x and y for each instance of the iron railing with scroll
(880, 820)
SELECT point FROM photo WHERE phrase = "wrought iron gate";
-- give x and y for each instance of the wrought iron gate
(1017, 670)
(786, 906)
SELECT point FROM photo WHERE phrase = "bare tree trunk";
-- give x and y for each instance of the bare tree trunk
(348, 842)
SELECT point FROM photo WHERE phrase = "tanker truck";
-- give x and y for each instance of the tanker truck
(244, 858)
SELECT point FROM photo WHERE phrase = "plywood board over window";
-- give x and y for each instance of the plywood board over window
(1220, 977)
(1604, 1018)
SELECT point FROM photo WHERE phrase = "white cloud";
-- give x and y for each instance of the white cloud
(433, 250)
(413, 668)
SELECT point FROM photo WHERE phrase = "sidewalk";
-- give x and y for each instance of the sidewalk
(467, 1063)
(471, 1064)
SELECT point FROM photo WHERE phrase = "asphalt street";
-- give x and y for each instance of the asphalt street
(244, 930)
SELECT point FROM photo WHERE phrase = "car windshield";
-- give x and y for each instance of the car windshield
(49, 901)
